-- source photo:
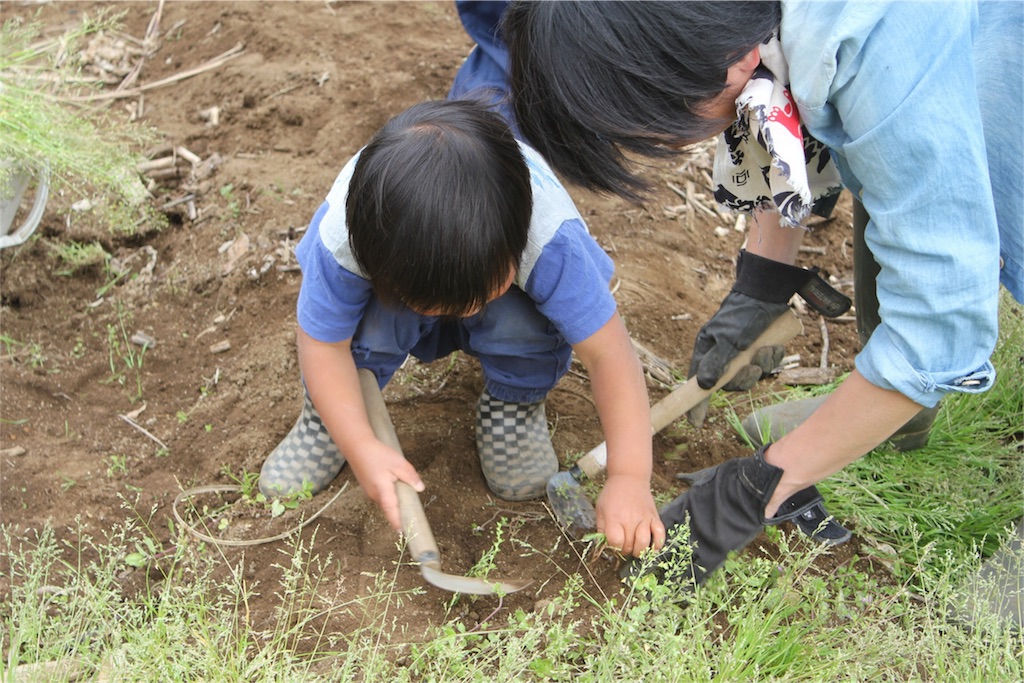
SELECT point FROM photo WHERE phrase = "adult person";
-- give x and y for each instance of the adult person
(918, 107)
(484, 76)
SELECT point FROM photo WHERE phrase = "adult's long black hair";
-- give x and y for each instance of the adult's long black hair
(595, 82)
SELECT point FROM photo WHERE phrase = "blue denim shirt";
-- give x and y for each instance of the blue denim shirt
(922, 105)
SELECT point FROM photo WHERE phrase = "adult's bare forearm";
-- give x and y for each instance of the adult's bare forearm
(855, 418)
(768, 238)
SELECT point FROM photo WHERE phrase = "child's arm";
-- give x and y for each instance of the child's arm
(333, 384)
(626, 513)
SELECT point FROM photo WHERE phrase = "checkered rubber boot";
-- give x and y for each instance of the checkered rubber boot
(515, 450)
(306, 454)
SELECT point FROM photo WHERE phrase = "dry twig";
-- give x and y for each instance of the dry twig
(149, 45)
(824, 341)
(135, 424)
(214, 63)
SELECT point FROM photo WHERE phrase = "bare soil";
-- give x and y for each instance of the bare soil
(216, 290)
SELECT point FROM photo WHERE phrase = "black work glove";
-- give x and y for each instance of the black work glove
(760, 294)
(724, 511)
(805, 509)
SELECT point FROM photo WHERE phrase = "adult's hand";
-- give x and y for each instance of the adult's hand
(739, 321)
(761, 294)
(724, 511)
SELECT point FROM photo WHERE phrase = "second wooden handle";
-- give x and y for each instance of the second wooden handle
(689, 394)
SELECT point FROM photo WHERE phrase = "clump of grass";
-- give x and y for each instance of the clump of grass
(757, 619)
(83, 151)
(78, 256)
(124, 358)
(67, 619)
(959, 494)
(955, 498)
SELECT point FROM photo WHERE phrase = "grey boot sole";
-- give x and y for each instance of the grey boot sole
(779, 419)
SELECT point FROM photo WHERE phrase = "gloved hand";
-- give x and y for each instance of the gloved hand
(760, 294)
(805, 509)
(724, 511)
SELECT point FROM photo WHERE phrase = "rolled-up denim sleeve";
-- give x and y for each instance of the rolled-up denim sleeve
(899, 107)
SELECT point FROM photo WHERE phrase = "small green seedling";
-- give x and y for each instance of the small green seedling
(117, 464)
(251, 495)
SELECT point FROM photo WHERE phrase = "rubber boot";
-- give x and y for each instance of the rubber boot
(724, 511)
(515, 449)
(306, 457)
(772, 422)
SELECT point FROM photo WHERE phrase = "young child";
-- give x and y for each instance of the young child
(445, 233)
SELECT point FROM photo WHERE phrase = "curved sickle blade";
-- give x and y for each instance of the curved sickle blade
(469, 584)
(424, 550)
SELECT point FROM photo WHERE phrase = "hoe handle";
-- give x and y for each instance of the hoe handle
(415, 527)
(689, 393)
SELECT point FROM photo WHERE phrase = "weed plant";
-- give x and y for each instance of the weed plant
(790, 614)
(77, 256)
(82, 149)
(123, 356)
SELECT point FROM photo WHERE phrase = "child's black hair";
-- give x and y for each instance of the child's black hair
(595, 81)
(439, 207)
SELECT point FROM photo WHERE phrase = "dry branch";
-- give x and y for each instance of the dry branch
(807, 376)
(137, 426)
(824, 342)
(214, 63)
(148, 48)
(655, 367)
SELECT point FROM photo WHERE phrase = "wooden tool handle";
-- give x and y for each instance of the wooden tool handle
(689, 394)
(415, 527)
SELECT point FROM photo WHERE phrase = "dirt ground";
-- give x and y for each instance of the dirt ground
(216, 290)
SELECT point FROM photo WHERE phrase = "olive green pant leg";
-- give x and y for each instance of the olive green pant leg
(915, 433)
(865, 277)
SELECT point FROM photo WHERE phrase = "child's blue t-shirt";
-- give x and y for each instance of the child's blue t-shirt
(562, 269)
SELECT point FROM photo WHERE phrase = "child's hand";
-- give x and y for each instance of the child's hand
(377, 467)
(627, 516)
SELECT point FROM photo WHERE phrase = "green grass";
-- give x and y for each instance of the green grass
(959, 492)
(758, 620)
(790, 614)
(124, 357)
(76, 256)
(86, 151)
